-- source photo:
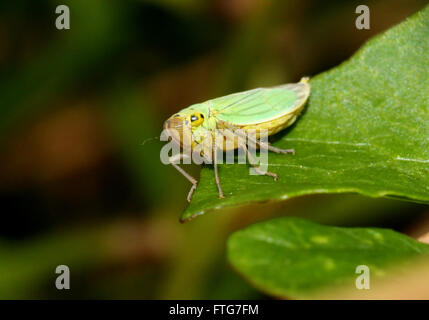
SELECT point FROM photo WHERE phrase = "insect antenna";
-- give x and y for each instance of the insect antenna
(149, 139)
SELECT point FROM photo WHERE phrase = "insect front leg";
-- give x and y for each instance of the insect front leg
(194, 182)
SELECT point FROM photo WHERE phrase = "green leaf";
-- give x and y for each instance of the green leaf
(291, 257)
(365, 129)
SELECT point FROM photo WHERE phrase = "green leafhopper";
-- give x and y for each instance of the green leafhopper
(205, 126)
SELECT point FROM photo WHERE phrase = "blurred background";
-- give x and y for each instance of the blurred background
(81, 110)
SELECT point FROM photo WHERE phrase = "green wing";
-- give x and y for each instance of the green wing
(259, 105)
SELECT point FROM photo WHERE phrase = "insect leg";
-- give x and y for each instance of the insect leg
(242, 144)
(186, 175)
(217, 145)
(276, 150)
(269, 147)
(221, 196)
(252, 161)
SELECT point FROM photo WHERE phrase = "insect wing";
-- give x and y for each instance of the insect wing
(261, 104)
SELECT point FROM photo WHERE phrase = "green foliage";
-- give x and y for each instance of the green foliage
(290, 257)
(364, 130)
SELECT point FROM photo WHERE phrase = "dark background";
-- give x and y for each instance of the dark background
(81, 111)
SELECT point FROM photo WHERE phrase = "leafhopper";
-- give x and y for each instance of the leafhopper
(205, 126)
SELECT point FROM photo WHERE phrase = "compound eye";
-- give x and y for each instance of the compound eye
(197, 119)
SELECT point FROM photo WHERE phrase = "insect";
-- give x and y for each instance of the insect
(271, 109)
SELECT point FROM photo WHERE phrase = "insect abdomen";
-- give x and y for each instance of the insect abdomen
(273, 126)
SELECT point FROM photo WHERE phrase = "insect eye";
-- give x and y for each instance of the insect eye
(196, 119)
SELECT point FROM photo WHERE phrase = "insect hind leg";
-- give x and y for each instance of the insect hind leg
(267, 146)
(276, 150)
(252, 162)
